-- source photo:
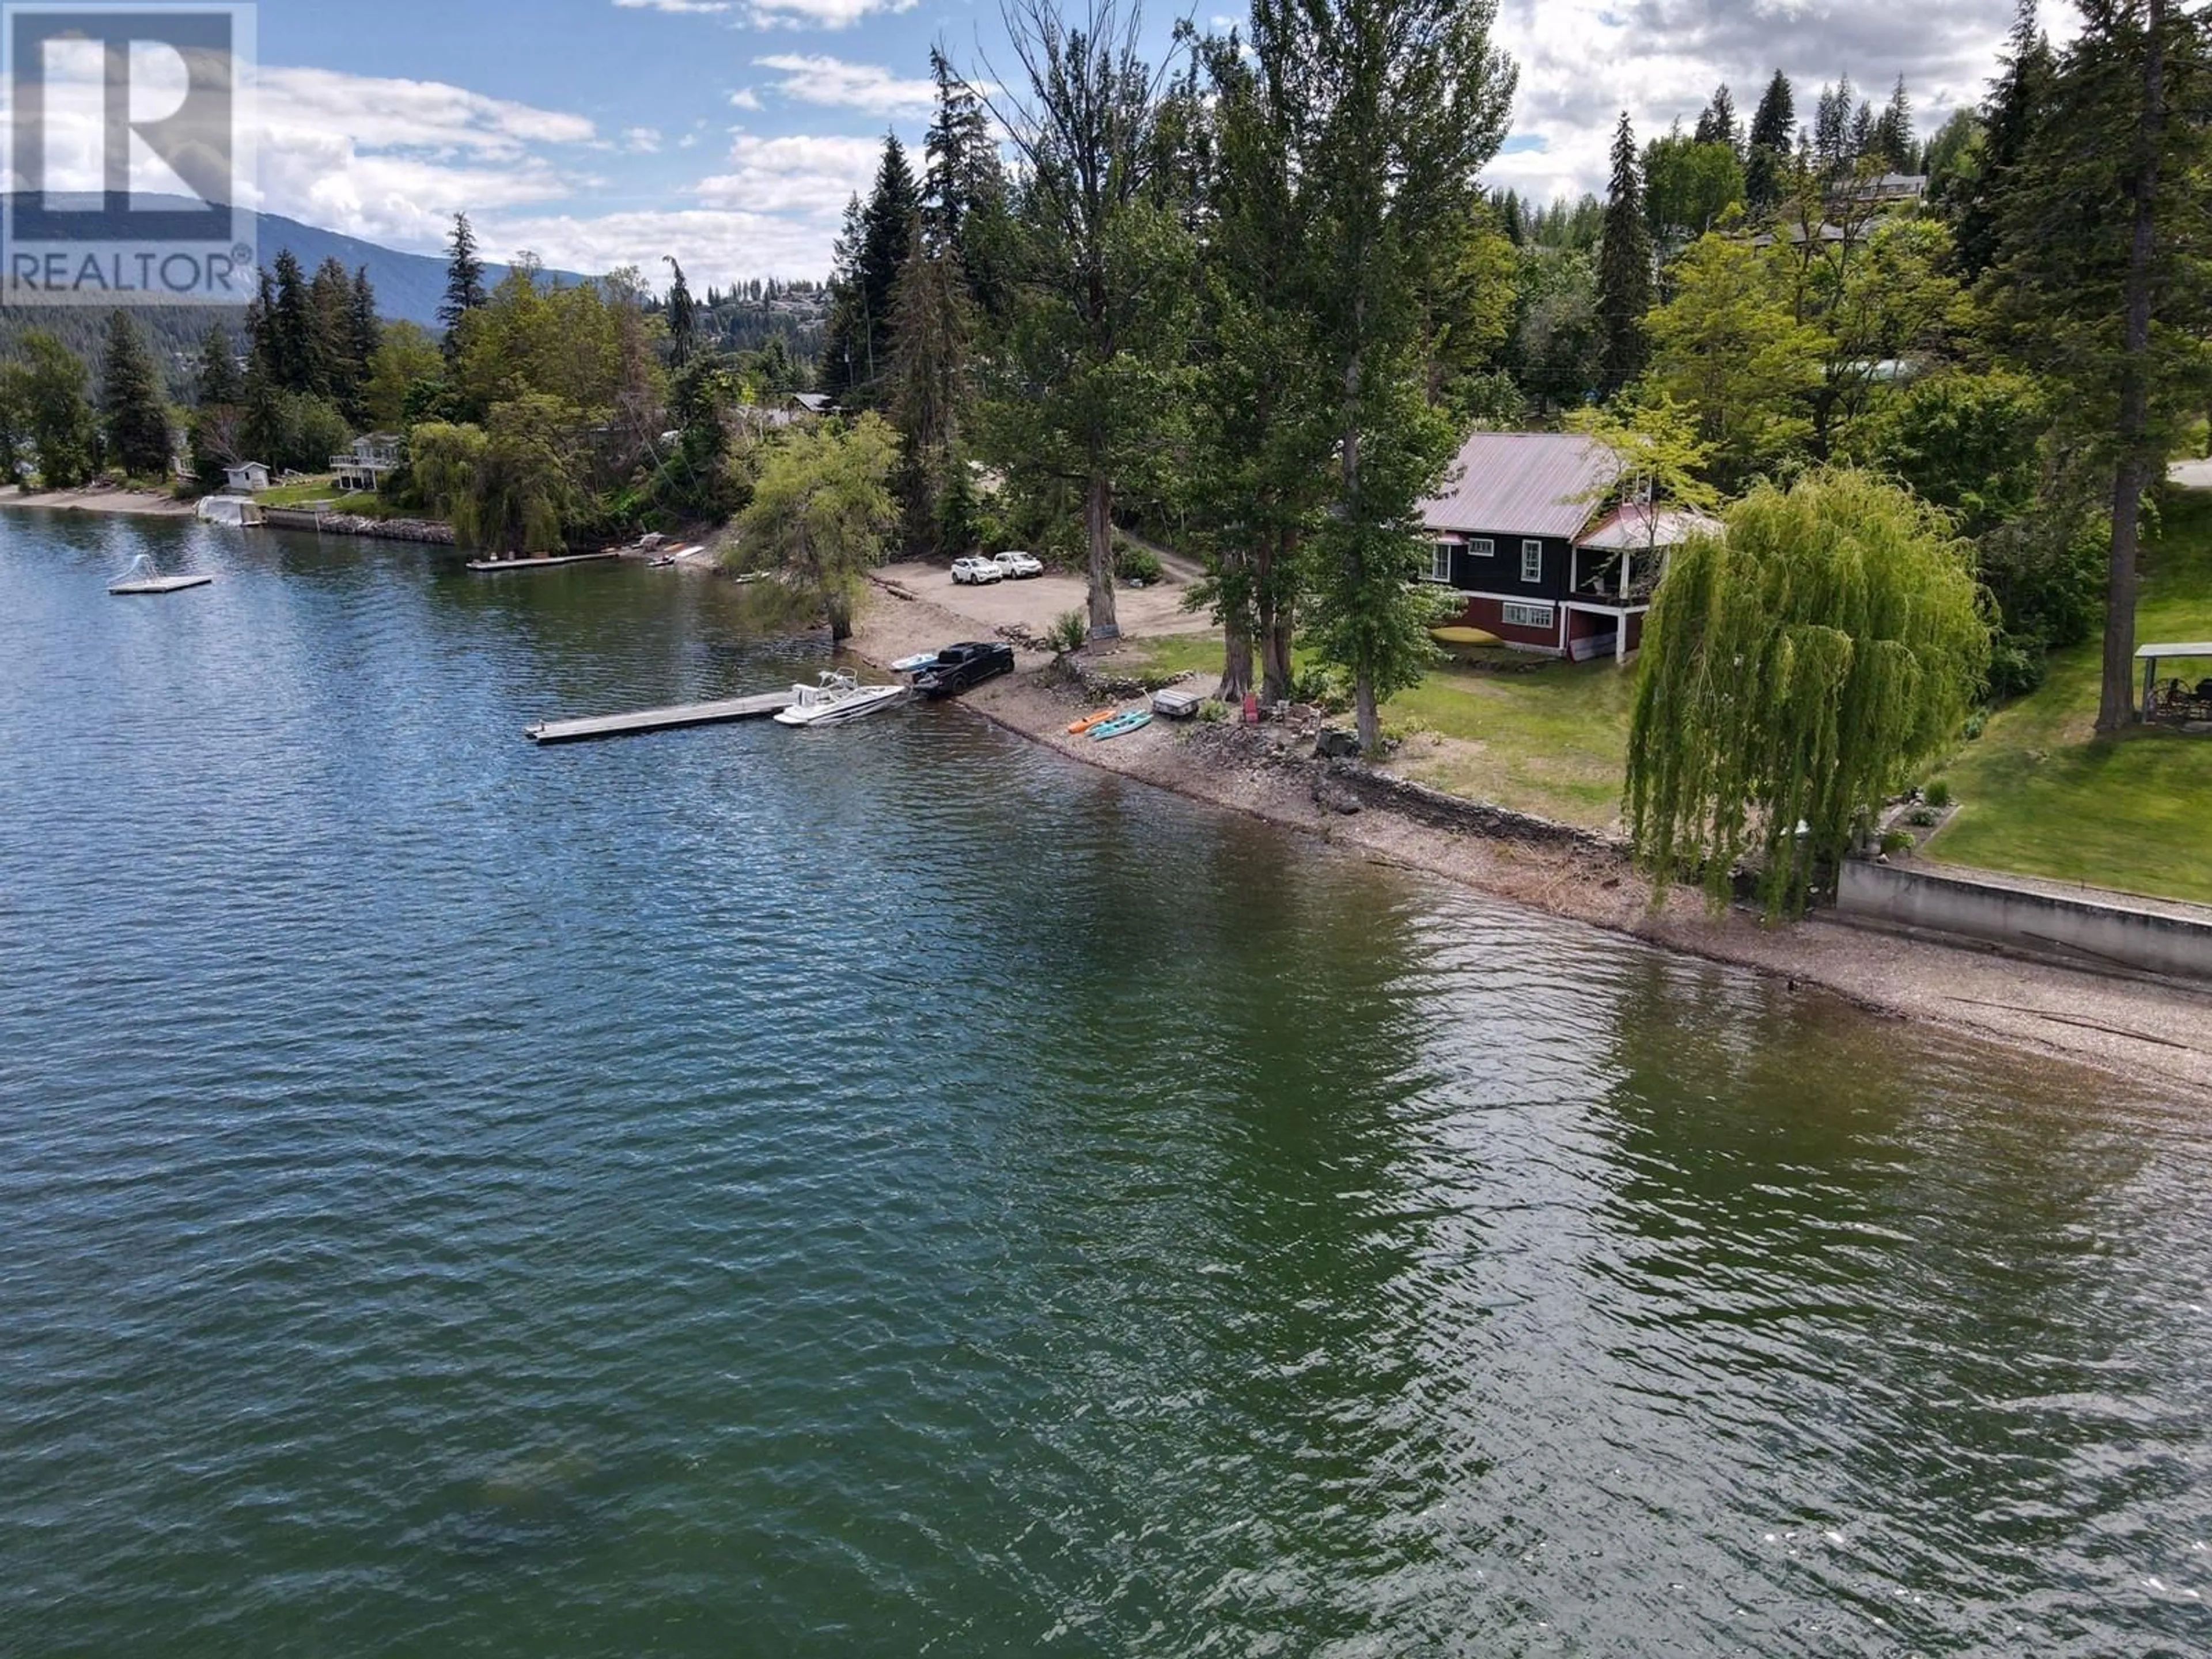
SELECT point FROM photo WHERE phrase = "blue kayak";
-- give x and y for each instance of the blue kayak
(1121, 726)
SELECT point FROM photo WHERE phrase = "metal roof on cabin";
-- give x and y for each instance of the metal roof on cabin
(1522, 483)
(1632, 527)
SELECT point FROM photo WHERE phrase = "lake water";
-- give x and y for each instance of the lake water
(887, 1191)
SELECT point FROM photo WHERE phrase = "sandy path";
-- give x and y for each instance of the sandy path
(142, 503)
(2154, 1036)
(1035, 602)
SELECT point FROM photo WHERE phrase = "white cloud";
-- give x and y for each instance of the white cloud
(798, 173)
(392, 160)
(817, 79)
(674, 5)
(819, 13)
(1583, 62)
(744, 98)
(714, 244)
(641, 140)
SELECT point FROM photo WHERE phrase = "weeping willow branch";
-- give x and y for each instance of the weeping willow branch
(1795, 672)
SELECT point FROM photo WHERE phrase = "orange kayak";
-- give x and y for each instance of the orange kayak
(1098, 718)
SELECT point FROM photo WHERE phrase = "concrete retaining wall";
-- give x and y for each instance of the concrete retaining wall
(2080, 929)
(432, 531)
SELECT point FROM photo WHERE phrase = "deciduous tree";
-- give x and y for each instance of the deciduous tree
(1099, 266)
(1796, 672)
(1391, 109)
(822, 512)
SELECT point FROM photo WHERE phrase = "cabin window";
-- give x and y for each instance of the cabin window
(1482, 547)
(1440, 562)
(1532, 562)
(1526, 616)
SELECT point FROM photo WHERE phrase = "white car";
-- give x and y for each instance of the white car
(976, 570)
(1017, 564)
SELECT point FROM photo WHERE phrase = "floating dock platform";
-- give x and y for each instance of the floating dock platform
(157, 584)
(492, 567)
(660, 719)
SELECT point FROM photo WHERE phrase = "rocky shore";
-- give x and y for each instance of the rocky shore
(2153, 1036)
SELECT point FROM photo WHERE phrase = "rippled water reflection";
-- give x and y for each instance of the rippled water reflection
(884, 1191)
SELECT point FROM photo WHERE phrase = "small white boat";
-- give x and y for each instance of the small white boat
(239, 512)
(838, 697)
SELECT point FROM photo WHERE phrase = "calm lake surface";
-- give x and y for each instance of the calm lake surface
(887, 1191)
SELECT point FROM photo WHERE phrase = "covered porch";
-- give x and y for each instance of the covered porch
(2183, 698)
(1616, 568)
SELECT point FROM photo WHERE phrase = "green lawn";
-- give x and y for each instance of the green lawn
(1551, 739)
(366, 503)
(2038, 793)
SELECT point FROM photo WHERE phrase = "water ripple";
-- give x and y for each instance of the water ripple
(893, 1193)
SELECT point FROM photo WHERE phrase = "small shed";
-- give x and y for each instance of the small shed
(2180, 701)
(246, 478)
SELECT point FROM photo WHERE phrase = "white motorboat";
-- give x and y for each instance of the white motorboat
(838, 697)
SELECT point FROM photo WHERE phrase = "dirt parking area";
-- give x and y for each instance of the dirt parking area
(1036, 602)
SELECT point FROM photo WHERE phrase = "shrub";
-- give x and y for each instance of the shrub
(1924, 817)
(2017, 666)
(1133, 564)
(1068, 632)
(1213, 711)
(1896, 840)
(1325, 687)
(1939, 794)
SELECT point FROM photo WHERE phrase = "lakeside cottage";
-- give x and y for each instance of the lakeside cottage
(365, 466)
(246, 478)
(1521, 527)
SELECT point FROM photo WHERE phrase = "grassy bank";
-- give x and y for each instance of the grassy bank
(365, 503)
(1549, 737)
(2041, 794)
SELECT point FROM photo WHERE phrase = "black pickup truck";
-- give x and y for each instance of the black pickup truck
(957, 668)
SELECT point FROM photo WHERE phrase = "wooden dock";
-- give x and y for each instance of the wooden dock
(660, 719)
(157, 584)
(495, 566)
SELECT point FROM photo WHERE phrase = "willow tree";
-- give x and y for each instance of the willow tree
(823, 513)
(1796, 672)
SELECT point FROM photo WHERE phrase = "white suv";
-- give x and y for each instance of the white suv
(1018, 564)
(976, 570)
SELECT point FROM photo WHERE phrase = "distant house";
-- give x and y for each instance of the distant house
(811, 402)
(246, 478)
(1521, 527)
(364, 467)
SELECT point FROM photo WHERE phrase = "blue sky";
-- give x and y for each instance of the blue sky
(730, 132)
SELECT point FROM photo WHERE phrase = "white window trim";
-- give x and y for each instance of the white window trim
(1440, 570)
(1481, 547)
(1532, 616)
(1532, 551)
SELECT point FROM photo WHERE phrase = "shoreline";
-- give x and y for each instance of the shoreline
(2156, 1036)
(124, 503)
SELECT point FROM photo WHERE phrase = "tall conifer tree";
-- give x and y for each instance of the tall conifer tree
(2015, 103)
(2104, 285)
(133, 411)
(1766, 159)
(464, 283)
(1624, 270)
